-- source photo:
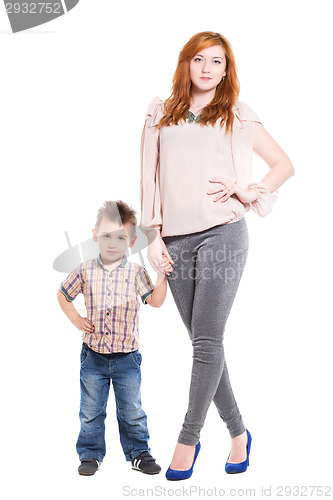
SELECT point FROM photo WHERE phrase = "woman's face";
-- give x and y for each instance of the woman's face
(208, 67)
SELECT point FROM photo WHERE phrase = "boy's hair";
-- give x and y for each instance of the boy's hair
(120, 212)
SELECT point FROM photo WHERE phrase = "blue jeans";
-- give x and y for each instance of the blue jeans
(95, 374)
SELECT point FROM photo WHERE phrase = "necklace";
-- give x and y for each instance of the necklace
(192, 118)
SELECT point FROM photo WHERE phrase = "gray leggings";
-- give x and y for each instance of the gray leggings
(204, 281)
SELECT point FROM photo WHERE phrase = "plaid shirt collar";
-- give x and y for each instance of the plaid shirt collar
(100, 263)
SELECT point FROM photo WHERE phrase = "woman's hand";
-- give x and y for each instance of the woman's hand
(227, 188)
(159, 257)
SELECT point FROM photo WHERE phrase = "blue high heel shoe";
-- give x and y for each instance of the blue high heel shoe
(242, 466)
(176, 475)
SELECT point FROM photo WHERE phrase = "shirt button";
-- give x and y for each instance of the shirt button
(108, 314)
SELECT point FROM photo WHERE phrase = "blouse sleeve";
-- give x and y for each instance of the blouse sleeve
(149, 182)
(264, 203)
(247, 114)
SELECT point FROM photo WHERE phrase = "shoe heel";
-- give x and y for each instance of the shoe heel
(176, 475)
(241, 467)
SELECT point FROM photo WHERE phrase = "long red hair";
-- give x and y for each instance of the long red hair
(177, 105)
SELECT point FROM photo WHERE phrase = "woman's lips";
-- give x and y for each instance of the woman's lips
(205, 78)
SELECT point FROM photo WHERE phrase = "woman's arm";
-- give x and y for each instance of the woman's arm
(149, 152)
(151, 217)
(280, 165)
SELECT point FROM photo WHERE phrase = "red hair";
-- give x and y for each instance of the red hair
(177, 105)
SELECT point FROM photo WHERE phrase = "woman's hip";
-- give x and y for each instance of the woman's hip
(227, 239)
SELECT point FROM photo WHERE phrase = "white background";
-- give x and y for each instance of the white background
(73, 98)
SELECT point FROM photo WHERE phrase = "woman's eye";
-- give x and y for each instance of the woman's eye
(197, 59)
(217, 61)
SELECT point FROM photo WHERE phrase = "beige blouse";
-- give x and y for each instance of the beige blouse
(177, 163)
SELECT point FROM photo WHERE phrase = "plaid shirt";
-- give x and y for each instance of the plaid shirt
(112, 302)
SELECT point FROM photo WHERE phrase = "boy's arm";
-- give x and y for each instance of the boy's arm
(83, 324)
(144, 285)
(157, 298)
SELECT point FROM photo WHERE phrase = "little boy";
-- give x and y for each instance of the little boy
(111, 285)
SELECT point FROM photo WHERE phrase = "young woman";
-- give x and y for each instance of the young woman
(196, 186)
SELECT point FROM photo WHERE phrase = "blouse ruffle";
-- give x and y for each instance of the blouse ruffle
(263, 205)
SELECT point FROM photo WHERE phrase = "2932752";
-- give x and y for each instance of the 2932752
(33, 8)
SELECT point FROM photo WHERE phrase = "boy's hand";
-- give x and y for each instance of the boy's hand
(84, 325)
(166, 266)
(157, 298)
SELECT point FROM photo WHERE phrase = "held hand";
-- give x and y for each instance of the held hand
(227, 188)
(84, 325)
(166, 258)
(159, 257)
(166, 266)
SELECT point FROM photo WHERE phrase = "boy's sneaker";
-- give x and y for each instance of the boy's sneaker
(88, 466)
(145, 463)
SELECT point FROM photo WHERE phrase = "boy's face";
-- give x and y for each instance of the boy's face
(113, 240)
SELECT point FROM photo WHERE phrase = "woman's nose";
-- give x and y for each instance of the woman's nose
(205, 67)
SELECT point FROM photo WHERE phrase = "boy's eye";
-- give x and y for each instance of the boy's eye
(121, 238)
(106, 236)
